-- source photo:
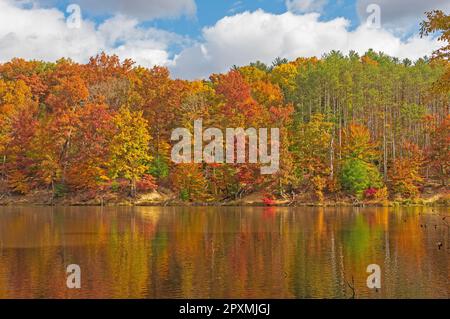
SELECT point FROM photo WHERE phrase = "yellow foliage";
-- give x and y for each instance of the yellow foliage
(130, 146)
(357, 143)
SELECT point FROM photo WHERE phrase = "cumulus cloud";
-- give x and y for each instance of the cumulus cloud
(305, 6)
(146, 46)
(251, 36)
(38, 33)
(34, 32)
(140, 9)
(401, 15)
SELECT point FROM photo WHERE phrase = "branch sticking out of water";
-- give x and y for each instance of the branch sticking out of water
(352, 287)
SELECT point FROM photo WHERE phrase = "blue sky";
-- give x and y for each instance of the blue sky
(208, 12)
(195, 38)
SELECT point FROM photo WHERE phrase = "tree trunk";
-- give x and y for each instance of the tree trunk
(133, 188)
(332, 157)
(384, 144)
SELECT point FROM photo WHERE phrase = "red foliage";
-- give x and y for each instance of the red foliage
(268, 200)
(146, 184)
(370, 193)
(239, 104)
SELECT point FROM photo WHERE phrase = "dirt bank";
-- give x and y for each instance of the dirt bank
(166, 198)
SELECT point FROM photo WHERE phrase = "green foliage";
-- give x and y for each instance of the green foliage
(159, 167)
(340, 118)
(279, 61)
(60, 190)
(356, 176)
(115, 186)
(184, 195)
(260, 66)
(412, 113)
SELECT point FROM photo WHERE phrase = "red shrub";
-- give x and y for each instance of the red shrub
(146, 184)
(268, 200)
(370, 193)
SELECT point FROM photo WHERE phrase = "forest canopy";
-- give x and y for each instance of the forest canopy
(370, 126)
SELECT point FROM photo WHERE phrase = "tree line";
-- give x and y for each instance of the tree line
(370, 126)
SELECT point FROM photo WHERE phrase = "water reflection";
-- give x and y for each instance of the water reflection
(149, 252)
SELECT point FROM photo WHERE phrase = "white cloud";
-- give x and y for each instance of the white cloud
(147, 47)
(140, 9)
(305, 6)
(37, 33)
(401, 15)
(251, 36)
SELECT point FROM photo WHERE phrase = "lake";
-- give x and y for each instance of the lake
(229, 252)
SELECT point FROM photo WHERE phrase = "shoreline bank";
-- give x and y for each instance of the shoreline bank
(159, 200)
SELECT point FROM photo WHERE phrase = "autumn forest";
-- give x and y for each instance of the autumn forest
(353, 128)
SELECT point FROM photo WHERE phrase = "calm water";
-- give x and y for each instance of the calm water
(148, 252)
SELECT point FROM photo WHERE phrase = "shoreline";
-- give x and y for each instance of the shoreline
(438, 200)
(165, 198)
